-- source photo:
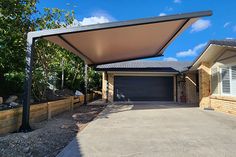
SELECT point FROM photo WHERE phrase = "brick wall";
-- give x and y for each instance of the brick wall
(204, 85)
(220, 103)
(104, 85)
(191, 91)
(110, 79)
(110, 87)
(223, 104)
(181, 89)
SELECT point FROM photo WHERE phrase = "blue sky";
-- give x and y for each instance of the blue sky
(187, 46)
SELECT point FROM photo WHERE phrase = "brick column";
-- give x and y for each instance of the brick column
(110, 87)
(190, 83)
(104, 85)
(204, 85)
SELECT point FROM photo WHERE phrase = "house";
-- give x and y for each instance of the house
(216, 68)
(138, 80)
(209, 81)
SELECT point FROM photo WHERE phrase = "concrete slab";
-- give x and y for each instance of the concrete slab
(156, 130)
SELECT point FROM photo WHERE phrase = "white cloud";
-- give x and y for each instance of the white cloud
(75, 23)
(89, 21)
(191, 52)
(162, 14)
(229, 38)
(226, 24)
(200, 25)
(94, 20)
(177, 1)
(170, 59)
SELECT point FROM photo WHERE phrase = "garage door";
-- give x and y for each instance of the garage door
(143, 88)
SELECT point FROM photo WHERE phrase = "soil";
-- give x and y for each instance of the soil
(49, 137)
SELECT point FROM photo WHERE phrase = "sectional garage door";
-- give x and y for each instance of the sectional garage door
(143, 88)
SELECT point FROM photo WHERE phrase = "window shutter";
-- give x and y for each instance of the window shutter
(214, 81)
(225, 80)
(233, 80)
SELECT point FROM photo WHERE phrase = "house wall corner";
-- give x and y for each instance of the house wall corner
(204, 85)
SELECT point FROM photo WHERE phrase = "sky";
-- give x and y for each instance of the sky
(187, 46)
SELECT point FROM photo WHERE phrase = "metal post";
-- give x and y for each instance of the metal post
(85, 82)
(25, 126)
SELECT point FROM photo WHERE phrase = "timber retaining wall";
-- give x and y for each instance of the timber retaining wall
(10, 120)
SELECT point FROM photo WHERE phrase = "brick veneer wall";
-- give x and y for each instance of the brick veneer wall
(224, 104)
(104, 85)
(191, 91)
(220, 103)
(110, 80)
(110, 87)
(204, 85)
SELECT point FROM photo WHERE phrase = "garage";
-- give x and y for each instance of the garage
(143, 88)
(142, 80)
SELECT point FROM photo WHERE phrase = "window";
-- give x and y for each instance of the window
(233, 80)
(225, 77)
(228, 80)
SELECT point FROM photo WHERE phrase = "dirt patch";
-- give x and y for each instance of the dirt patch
(49, 137)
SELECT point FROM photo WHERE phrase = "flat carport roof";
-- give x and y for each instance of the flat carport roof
(109, 43)
(120, 41)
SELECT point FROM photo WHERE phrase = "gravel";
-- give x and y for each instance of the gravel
(49, 137)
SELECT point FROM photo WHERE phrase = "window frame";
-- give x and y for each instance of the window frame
(218, 80)
(230, 80)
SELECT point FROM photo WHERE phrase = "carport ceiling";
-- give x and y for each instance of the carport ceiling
(121, 41)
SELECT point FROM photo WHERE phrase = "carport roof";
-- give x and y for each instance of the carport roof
(121, 41)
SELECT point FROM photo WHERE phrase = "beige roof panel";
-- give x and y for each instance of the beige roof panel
(121, 41)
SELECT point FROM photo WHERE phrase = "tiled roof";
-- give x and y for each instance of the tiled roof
(141, 65)
(226, 42)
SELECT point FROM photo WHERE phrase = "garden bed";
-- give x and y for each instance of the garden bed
(49, 137)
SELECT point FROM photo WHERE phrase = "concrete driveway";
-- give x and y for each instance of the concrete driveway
(156, 130)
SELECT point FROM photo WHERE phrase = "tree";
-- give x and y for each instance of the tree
(15, 23)
(17, 18)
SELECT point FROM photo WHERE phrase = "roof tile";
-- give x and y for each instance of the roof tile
(148, 65)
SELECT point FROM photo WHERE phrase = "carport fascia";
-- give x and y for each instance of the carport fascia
(188, 19)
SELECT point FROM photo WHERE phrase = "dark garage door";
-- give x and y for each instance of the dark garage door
(143, 88)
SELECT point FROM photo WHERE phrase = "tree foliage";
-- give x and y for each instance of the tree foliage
(17, 18)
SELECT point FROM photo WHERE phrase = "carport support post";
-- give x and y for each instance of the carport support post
(85, 82)
(25, 126)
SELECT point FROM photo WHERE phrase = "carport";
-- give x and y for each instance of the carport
(109, 43)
